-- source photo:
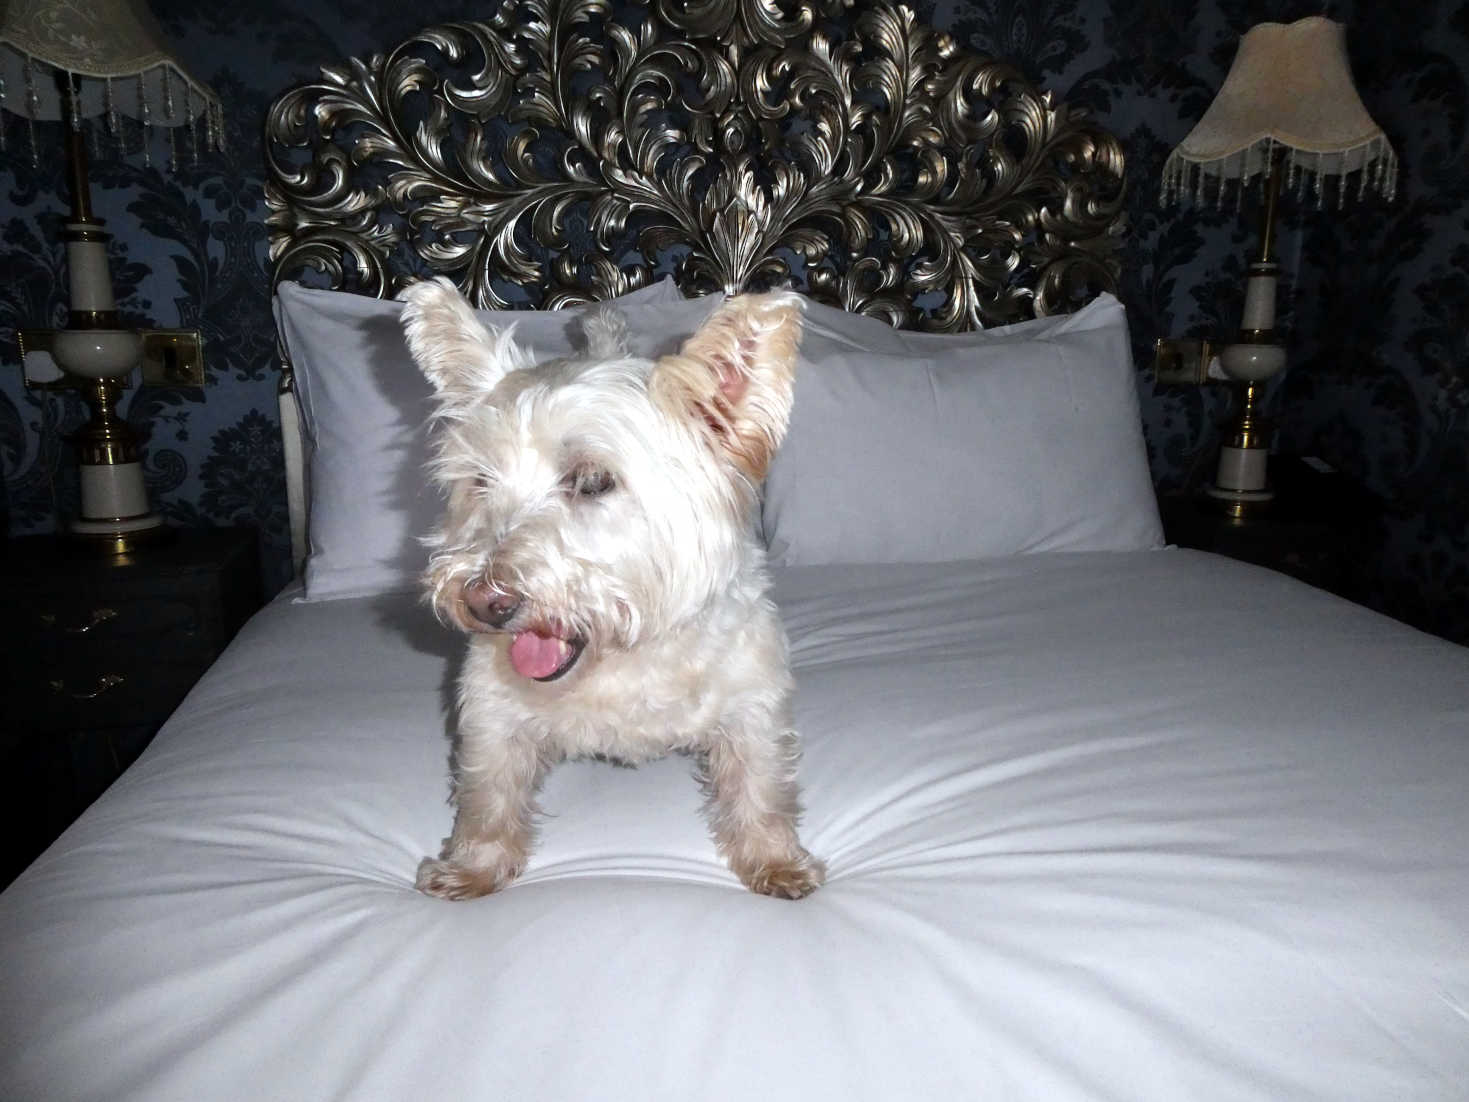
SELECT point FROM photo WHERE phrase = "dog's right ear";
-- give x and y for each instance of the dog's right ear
(450, 345)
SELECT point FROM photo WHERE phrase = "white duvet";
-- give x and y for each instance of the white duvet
(1099, 826)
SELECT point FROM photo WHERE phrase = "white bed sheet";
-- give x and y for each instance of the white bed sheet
(1100, 826)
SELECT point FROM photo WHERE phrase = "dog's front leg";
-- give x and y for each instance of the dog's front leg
(749, 774)
(495, 782)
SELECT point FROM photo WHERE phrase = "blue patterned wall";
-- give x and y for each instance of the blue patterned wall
(1375, 299)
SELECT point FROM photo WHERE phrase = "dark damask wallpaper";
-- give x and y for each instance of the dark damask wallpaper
(1374, 300)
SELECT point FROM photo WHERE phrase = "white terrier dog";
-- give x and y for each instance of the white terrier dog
(598, 548)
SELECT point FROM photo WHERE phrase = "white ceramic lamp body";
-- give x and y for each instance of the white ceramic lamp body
(97, 353)
(1251, 363)
(114, 495)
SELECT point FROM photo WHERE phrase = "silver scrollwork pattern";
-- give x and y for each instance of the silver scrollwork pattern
(568, 150)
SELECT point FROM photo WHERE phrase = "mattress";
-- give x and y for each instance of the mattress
(1139, 825)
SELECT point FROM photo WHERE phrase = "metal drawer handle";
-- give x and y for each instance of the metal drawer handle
(105, 682)
(100, 616)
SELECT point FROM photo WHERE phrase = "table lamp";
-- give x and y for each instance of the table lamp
(1288, 117)
(94, 64)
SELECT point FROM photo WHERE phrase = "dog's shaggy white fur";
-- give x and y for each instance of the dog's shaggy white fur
(598, 548)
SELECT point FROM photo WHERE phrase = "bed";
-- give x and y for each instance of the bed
(1103, 819)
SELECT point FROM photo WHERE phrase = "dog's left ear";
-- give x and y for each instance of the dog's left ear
(735, 376)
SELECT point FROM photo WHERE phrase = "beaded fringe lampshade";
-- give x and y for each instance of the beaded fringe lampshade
(88, 65)
(1289, 116)
(1288, 94)
(121, 66)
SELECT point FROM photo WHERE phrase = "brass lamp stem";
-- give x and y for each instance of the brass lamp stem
(1250, 430)
(106, 438)
(1271, 200)
(76, 149)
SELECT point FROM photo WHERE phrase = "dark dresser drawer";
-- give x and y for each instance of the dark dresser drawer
(95, 652)
(78, 619)
(118, 641)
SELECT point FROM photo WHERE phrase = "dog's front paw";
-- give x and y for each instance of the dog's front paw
(786, 879)
(447, 879)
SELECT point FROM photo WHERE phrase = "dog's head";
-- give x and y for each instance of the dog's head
(596, 499)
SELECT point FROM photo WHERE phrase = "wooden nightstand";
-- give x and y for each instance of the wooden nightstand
(101, 649)
(1321, 527)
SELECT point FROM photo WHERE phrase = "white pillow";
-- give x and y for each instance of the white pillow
(913, 447)
(364, 404)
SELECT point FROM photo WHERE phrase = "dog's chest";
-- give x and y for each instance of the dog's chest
(635, 709)
(642, 704)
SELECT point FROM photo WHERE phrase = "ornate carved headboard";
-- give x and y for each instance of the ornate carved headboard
(565, 150)
(569, 150)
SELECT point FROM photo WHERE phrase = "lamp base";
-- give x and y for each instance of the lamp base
(1242, 486)
(1240, 503)
(115, 514)
(119, 535)
(113, 491)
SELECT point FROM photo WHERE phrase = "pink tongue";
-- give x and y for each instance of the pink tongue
(535, 655)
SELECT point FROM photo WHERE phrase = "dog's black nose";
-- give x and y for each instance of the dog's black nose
(491, 607)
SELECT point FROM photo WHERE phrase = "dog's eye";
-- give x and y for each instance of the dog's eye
(589, 482)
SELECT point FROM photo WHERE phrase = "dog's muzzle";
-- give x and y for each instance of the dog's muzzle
(536, 652)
